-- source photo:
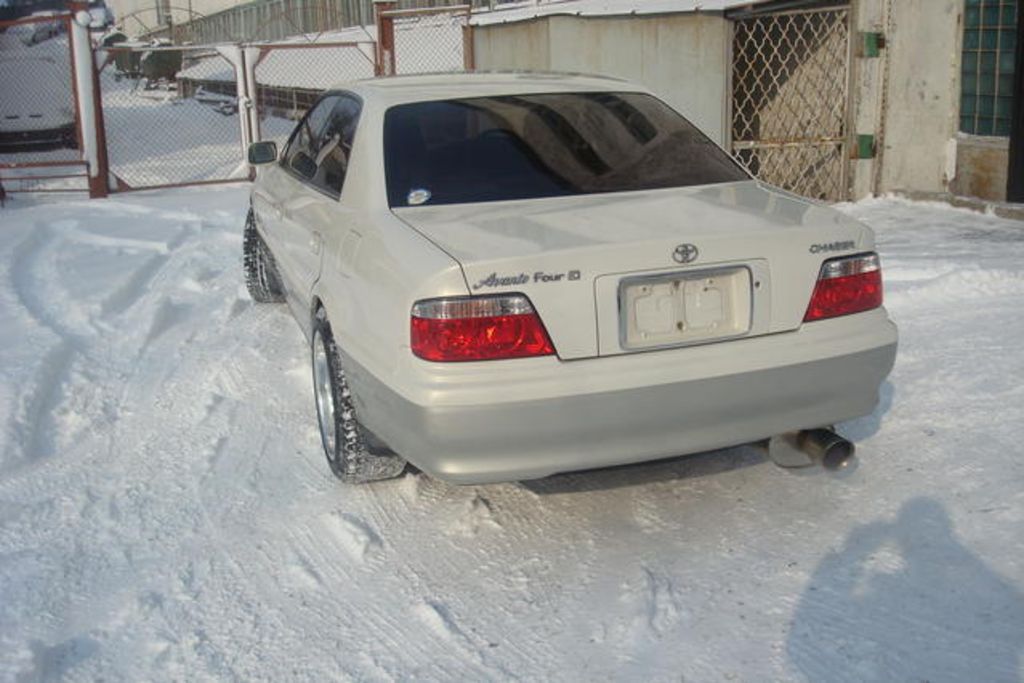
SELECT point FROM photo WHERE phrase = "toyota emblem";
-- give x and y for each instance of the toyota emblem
(685, 253)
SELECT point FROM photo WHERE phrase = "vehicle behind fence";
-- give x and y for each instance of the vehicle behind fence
(39, 124)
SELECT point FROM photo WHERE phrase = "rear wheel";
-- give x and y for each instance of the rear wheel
(261, 276)
(353, 454)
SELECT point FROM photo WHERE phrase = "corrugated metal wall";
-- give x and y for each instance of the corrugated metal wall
(278, 19)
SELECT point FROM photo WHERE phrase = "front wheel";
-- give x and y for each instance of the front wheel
(351, 455)
(262, 278)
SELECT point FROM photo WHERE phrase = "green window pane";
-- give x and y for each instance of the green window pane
(987, 65)
(1006, 84)
(1009, 15)
(1008, 36)
(1004, 107)
(1006, 62)
(970, 84)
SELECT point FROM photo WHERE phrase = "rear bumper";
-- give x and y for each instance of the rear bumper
(515, 420)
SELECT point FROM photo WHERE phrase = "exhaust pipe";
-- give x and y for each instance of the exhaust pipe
(811, 447)
(826, 447)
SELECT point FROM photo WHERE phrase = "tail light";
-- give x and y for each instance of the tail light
(478, 328)
(846, 285)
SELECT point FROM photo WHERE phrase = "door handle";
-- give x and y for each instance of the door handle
(316, 243)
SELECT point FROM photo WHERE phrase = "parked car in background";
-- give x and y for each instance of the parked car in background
(7, 12)
(45, 26)
(37, 109)
(507, 276)
(100, 16)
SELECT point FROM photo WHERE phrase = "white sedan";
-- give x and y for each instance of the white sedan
(506, 276)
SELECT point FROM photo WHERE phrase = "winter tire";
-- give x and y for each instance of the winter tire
(261, 275)
(353, 454)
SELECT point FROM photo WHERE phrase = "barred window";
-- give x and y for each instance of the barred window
(990, 43)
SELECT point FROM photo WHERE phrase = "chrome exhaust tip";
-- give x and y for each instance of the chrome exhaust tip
(826, 447)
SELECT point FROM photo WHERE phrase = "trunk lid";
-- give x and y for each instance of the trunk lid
(575, 257)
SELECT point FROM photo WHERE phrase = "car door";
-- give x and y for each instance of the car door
(285, 189)
(313, 212)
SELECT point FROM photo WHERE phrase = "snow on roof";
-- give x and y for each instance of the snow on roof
(602, 8)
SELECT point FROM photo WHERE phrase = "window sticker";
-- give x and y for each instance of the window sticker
(418, 196)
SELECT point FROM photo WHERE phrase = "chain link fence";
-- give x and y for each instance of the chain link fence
(790, 98)
(290, 76)
(39, 127)
(429, 40)
(170, 116)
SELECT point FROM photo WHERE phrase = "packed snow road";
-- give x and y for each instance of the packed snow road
(166, 512)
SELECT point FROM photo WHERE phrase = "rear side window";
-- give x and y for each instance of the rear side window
(528, 146)
(319, 148)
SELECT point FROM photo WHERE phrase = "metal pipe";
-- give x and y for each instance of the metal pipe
(826, 447)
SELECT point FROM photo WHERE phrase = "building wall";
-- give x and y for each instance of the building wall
(681, 57)
(907, 97)
(922, 115)
(523, 45)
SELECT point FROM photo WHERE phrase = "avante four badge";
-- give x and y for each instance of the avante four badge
(685, 253)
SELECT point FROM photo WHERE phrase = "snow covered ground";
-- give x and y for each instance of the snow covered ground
(166, 513)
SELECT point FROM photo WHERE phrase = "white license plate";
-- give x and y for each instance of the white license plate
(684, 308)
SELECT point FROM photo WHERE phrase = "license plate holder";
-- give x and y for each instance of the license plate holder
(685, 307)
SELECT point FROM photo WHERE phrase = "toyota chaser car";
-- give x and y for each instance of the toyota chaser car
(507, 276)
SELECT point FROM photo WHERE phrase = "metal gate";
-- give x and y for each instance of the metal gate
(161, 128)
(40, 131)
(790, 94)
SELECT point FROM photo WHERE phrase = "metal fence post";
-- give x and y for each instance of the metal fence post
(468, 49)
(90, 110)
(385, 38)
(236, 56)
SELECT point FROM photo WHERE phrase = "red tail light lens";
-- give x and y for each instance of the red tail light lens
(845, 286)
(478, 328)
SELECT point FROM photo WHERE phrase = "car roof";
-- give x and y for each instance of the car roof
(425, 87)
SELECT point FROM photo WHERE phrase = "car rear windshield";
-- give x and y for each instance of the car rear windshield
(486, 149)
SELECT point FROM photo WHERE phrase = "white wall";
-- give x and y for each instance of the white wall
(681, 57)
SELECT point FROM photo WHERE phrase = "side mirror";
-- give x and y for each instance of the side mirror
(262, 153)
